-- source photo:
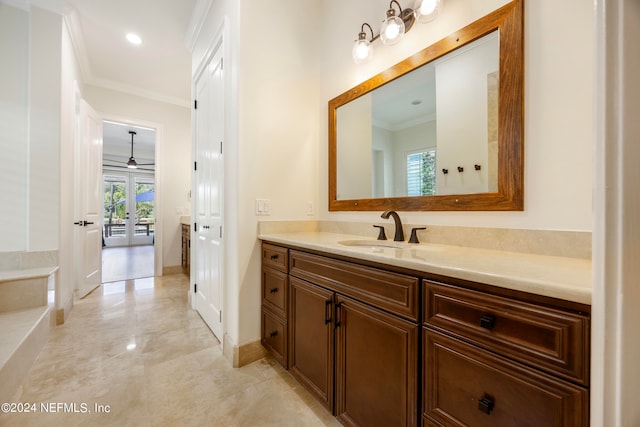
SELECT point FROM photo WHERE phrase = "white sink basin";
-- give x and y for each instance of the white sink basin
(374, 244)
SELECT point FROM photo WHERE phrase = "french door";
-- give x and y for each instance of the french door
(128, 215)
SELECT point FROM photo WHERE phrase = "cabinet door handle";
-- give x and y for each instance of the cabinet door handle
(487, 322)
(337, 306)
(273, 334)
(327, 312)
(273, 290)
(274, 256)
(486, 404)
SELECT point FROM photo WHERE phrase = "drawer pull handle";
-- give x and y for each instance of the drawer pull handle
(485, 404)
(273, 290)
(273, 334)
(487, 322)
(274, 256)
(337, 308)
(327, 312)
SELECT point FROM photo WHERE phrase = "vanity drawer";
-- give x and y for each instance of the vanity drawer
(396, 293)
(548, 338)
(274, 335)
(468, 386)
(275, 257)
(275, 290)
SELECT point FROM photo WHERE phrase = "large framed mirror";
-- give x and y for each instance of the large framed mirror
(441, 130)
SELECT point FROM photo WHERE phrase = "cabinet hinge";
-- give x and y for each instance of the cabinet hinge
(195, 226)
(195, 166)
(195, 288)
(195, 104)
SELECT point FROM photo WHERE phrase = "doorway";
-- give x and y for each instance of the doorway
(129, 206)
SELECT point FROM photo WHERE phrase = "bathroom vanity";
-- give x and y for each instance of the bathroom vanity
(426, 334)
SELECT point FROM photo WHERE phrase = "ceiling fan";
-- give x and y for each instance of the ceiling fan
(132, 164)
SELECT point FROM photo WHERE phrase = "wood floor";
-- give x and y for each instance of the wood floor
(126, 263)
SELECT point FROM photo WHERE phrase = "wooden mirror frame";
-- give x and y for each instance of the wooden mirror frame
(510, 195)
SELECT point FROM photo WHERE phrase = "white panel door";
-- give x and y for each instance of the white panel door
(209, 175)
(89, 190)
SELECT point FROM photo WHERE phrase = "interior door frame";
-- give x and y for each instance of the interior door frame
(159, 152)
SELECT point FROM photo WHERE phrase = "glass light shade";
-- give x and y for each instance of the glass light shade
(362, 51)
(392, 29)
(427, 10)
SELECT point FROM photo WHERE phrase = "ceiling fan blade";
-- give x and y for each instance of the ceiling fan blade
(146, 164)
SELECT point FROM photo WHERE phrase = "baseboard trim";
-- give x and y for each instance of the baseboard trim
(239, 356)
(172, 269)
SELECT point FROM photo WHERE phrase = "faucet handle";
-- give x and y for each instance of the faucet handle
(414, 234)
(381, 235)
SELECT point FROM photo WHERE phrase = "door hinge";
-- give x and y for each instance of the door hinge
(221, 232)
(195, 166)
(220, 316)
(220, 147)
(222, 63)
(195, 104)
(195, 226)
(195, 288)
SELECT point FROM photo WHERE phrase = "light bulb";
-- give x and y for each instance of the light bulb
(362, 51)
(392, 29)
(427, 10)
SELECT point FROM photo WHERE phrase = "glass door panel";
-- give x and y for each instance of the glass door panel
(144, 225)
(116, 212)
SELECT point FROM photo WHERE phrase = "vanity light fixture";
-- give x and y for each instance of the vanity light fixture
(395, 25)
(362, 49)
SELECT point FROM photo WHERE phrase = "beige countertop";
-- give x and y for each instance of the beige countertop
(558, 277)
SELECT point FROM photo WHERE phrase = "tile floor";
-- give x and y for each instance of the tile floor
(127, 262)
(136, 349)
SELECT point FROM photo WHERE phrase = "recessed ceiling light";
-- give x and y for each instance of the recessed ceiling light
(134, 38)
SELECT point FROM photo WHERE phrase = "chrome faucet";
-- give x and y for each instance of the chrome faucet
(399, 236)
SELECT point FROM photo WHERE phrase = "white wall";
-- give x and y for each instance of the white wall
(558, 104)
(278, 129)
(174, 154)
(462, 92)
(31, 101)
(14, 73)
(355, 140)
(44, 129)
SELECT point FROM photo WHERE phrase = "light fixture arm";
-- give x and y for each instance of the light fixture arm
(362, 35)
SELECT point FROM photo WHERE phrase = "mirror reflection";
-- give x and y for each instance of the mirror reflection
(433, 131)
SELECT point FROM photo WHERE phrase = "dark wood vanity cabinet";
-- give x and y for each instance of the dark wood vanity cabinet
(359, 360)
(275, 291)
(186, 248)
(495, 361)
(357, 338)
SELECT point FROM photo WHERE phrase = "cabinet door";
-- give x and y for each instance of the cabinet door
(376, 366)
(311, 338)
